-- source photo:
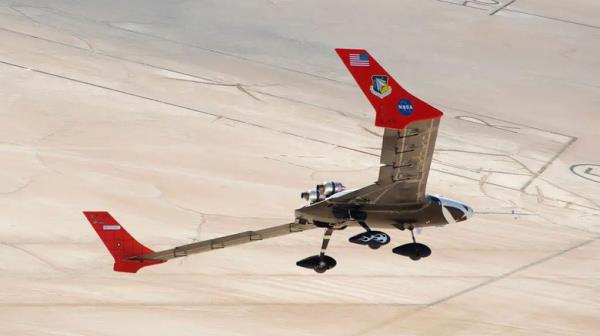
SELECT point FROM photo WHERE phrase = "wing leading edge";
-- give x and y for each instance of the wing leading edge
(226, 241)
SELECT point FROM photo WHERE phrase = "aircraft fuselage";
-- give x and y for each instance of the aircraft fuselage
(433, 211)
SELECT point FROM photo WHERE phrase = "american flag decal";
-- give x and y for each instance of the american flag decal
(359, 60)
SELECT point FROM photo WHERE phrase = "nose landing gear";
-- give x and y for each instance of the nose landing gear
(414, 250)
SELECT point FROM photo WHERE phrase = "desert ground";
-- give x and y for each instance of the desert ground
(190, 120)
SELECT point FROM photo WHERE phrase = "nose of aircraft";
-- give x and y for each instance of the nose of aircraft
(453, 211)
(469, 212)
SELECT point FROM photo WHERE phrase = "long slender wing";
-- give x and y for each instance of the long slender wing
(406, 159)
(130, 255)
(411, 127)
(226, 241)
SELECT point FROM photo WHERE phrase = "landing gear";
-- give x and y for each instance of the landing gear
(320, 263)
(374, 239)
(414, 250)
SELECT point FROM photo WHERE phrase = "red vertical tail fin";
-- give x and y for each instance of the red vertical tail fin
(394, 106)
(121, 245)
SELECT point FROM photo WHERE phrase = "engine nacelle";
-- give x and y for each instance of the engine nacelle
(330, 188)
(323, 191)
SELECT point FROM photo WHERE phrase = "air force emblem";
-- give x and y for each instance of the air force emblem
(380, 87)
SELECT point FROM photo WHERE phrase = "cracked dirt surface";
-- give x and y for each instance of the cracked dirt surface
(188, 122)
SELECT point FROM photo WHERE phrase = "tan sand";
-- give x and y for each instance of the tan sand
(191, 120)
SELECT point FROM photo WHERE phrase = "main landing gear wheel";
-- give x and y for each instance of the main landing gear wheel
(320, 263)
(414, 250)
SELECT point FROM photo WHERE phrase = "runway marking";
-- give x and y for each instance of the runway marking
(217, 116)
(105, 24)
(507, 274)
(196, 110)
(535, 175)
(41, 258)
(501, 7)
(239, 86)
(467, 290)
(485, 123)
(545, 166)
(18, 9)
(487, 282)
(464, 4)
(100, 86)
(553, 18)
(493, 6)
(540, 195)
(588, 171)
(199, 304)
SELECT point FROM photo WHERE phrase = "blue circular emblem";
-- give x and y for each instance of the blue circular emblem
(405, 107)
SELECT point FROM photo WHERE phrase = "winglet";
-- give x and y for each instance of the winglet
(121, 245)
(394, 106)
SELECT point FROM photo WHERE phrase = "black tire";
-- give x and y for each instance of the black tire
(415, 257)
(374, 246)
(321, 269)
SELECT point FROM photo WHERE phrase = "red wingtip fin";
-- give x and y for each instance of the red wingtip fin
(121, 245)
(394, 106)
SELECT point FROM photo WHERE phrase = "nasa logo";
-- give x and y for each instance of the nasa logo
(405, 107)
